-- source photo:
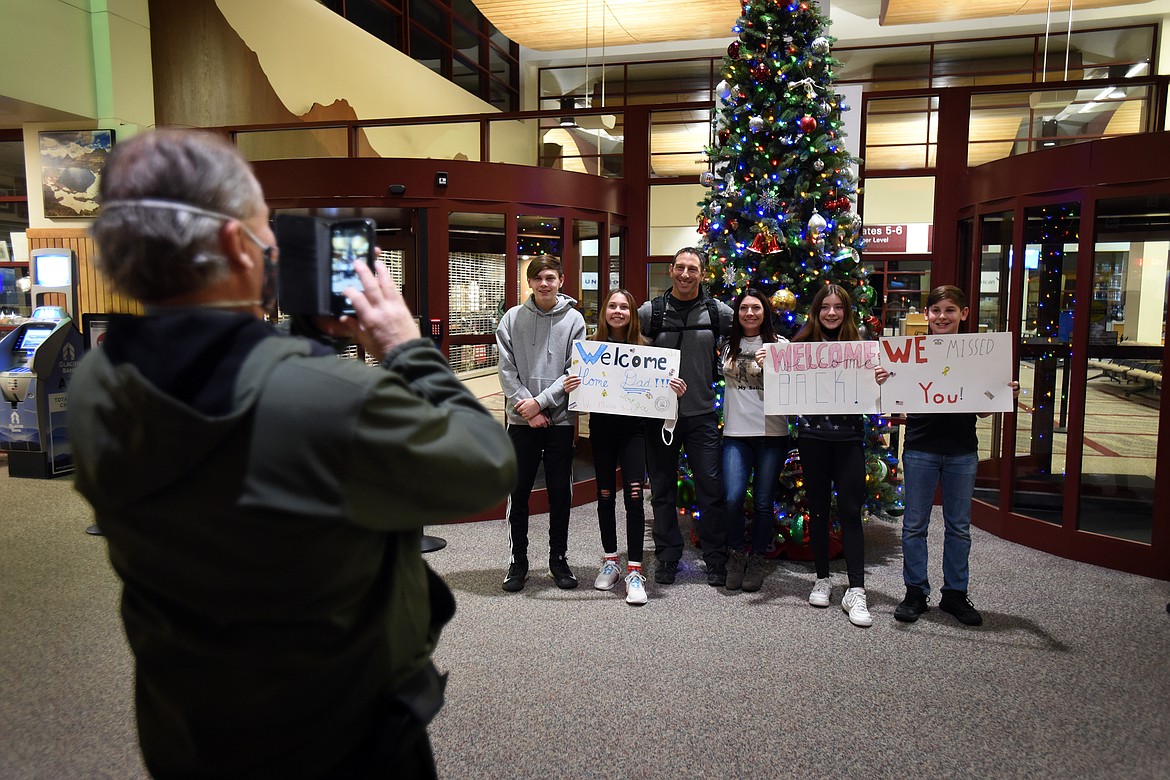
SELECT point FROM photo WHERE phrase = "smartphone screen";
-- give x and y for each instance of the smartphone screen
(351, 241)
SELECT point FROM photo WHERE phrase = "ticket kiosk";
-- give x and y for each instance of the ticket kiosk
(36, 363)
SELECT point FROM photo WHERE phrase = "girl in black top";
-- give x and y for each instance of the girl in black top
(619, 440)
(832, 456)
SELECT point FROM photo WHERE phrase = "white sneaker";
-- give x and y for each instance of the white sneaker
(609, 574)
(853, 602)
(635, 587)
(821, 592)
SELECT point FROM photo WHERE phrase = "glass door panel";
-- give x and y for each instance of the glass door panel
(989, 307)
(1050, 263)
(586, 240)
(1127, 321)
(475, 291)
(536, 236)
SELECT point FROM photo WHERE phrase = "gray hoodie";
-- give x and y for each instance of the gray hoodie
(535, 349)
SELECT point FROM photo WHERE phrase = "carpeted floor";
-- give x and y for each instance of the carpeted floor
(1068, 678)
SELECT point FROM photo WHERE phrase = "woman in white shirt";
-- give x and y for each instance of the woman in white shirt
(754, 444)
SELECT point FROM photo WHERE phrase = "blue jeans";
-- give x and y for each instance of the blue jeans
(922, 471)
(741, 456)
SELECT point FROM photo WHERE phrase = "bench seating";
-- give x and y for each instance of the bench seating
(1146, 373)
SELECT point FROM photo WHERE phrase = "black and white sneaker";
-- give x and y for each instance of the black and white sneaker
(517, 575)
(558, 569)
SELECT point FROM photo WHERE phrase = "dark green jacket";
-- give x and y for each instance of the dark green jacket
(263, 506)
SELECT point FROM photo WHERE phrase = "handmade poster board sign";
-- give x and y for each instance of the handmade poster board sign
(821, 377)
(966, 372)
(624, 379)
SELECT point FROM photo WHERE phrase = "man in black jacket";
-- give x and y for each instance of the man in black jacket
(262, 499)
(691, 322)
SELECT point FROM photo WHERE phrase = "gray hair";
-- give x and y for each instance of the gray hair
(153, 254)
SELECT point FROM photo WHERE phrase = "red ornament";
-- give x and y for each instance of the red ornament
(761, 71)
(724, 137)
(764, 243)
(733, 50)
(704, 225)
(807, 124)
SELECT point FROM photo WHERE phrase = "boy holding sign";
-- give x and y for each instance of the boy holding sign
(940, 448)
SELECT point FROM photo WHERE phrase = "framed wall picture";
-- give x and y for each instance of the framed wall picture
(71, 165)
(94, 326)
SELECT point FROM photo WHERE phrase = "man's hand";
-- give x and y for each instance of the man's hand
(572, 382)
(381, 319)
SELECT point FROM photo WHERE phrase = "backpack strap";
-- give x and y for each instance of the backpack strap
(658, 317)
(657, 314)
(713, 315)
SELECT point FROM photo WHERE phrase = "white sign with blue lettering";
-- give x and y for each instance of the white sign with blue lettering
(624, 379)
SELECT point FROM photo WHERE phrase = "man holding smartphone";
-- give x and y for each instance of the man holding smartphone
(263, 501)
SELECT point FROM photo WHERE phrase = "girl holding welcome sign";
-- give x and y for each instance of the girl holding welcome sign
(832, 456)
(620, 440)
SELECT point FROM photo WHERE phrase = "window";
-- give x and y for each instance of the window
(451, 37)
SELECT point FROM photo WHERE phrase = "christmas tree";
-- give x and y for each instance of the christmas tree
(779, 215)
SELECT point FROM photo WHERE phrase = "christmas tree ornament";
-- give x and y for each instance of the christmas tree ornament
(764, 243)
(807, 124)
(733, 50)
(816, 223)
(784, 300)
(756, 124)
(707, 179)
(818, 165)
(864, 295)
(820, 44)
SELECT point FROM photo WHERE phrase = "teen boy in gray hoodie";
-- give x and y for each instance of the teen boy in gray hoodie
(535, 340)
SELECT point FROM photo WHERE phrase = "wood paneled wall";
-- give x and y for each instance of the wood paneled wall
(94, 294)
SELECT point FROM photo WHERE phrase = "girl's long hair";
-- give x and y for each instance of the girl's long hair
(633, 331)
(767, 331)
(812, 330)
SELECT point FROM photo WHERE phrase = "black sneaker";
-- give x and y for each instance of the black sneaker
(517, 574)
(716, 575)
(912, 606)
(558, 569)
(956, 603)
(665, 572)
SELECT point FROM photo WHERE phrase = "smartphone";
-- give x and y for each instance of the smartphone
(351, 241)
